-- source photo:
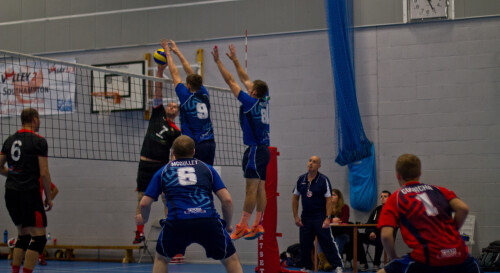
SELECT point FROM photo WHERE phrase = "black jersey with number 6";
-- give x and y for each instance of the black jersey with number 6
(22, 150)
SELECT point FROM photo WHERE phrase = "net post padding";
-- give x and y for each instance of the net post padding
(268, 250)
(105, 102)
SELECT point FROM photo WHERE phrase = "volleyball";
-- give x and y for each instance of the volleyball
(160, 57)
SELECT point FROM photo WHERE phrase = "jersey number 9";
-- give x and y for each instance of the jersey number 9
(202, 110)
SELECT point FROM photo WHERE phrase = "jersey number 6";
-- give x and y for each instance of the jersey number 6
(15, 151)
(187, 176)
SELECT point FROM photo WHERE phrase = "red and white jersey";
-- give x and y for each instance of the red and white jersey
(423, 213)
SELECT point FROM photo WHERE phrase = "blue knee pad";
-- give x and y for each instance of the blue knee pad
(38, 243)
(23, 241)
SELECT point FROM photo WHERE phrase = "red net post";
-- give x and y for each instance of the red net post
(268, 250)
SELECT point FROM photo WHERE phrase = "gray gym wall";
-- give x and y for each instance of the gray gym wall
(431, 89)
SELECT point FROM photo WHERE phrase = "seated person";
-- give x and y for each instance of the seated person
(339, 214)
(372, 235)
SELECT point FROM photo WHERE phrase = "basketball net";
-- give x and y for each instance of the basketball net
(105, 102)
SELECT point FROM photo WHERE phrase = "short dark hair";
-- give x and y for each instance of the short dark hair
(183, 147)
(260, 88)
(388, 192)
(408, 166)
(195, 81)
(28, 114)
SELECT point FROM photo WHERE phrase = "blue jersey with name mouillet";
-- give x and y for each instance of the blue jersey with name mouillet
(254, 120)
(188, 185)
(195, 113)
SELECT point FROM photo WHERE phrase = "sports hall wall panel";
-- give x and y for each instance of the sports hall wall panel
(89, 28)
(431, 89)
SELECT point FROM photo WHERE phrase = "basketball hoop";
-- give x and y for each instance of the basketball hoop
(105, 102)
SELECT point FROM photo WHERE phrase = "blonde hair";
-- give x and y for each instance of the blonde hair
(337, 208)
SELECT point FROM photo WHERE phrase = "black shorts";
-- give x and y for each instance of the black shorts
(205, 151)
(255, 162)
(145, 173)
(210, 233)
(26, 208)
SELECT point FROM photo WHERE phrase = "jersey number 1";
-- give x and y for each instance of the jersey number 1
(430, 209)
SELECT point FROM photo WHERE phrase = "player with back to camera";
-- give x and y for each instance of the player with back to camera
(188, 184)
(26, 154)
(194, 105)
(424, 214)
(254, 121)
(155, 152)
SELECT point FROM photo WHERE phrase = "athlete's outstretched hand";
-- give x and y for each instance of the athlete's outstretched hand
(165, 46)
(48, 204)
(232, 52)
(298, 222)
(215, 53)
(174, 47)
(326, 223)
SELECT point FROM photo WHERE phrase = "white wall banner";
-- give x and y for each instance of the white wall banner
(47, 87)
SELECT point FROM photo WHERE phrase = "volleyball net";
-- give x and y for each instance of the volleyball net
(100, 112)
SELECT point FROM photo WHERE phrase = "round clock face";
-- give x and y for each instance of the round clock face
(422, 9)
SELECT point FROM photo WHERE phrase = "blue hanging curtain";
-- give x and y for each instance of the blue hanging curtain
(354, 148)
(363, 183)
(353, 144)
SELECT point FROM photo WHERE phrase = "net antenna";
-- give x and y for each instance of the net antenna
(105, 102)
(246, 49)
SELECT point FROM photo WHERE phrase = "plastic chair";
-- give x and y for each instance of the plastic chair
(152, 238)
(467, 229)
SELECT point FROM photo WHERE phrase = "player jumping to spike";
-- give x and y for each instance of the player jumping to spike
(254, 121)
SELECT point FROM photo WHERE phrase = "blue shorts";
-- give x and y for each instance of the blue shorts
(406, 264)
(208, 232)
(205, 151)
(255, 162)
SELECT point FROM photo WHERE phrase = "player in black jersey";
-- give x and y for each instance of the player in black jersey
(25, 153)
(155, 152)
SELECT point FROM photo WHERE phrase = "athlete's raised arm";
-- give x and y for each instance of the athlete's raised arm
(184, 62)
(244, 78)
(170, 61)
(158, 84)
(228, 78)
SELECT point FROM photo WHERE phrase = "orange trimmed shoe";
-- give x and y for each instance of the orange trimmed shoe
(240, 232)
(255, 232)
